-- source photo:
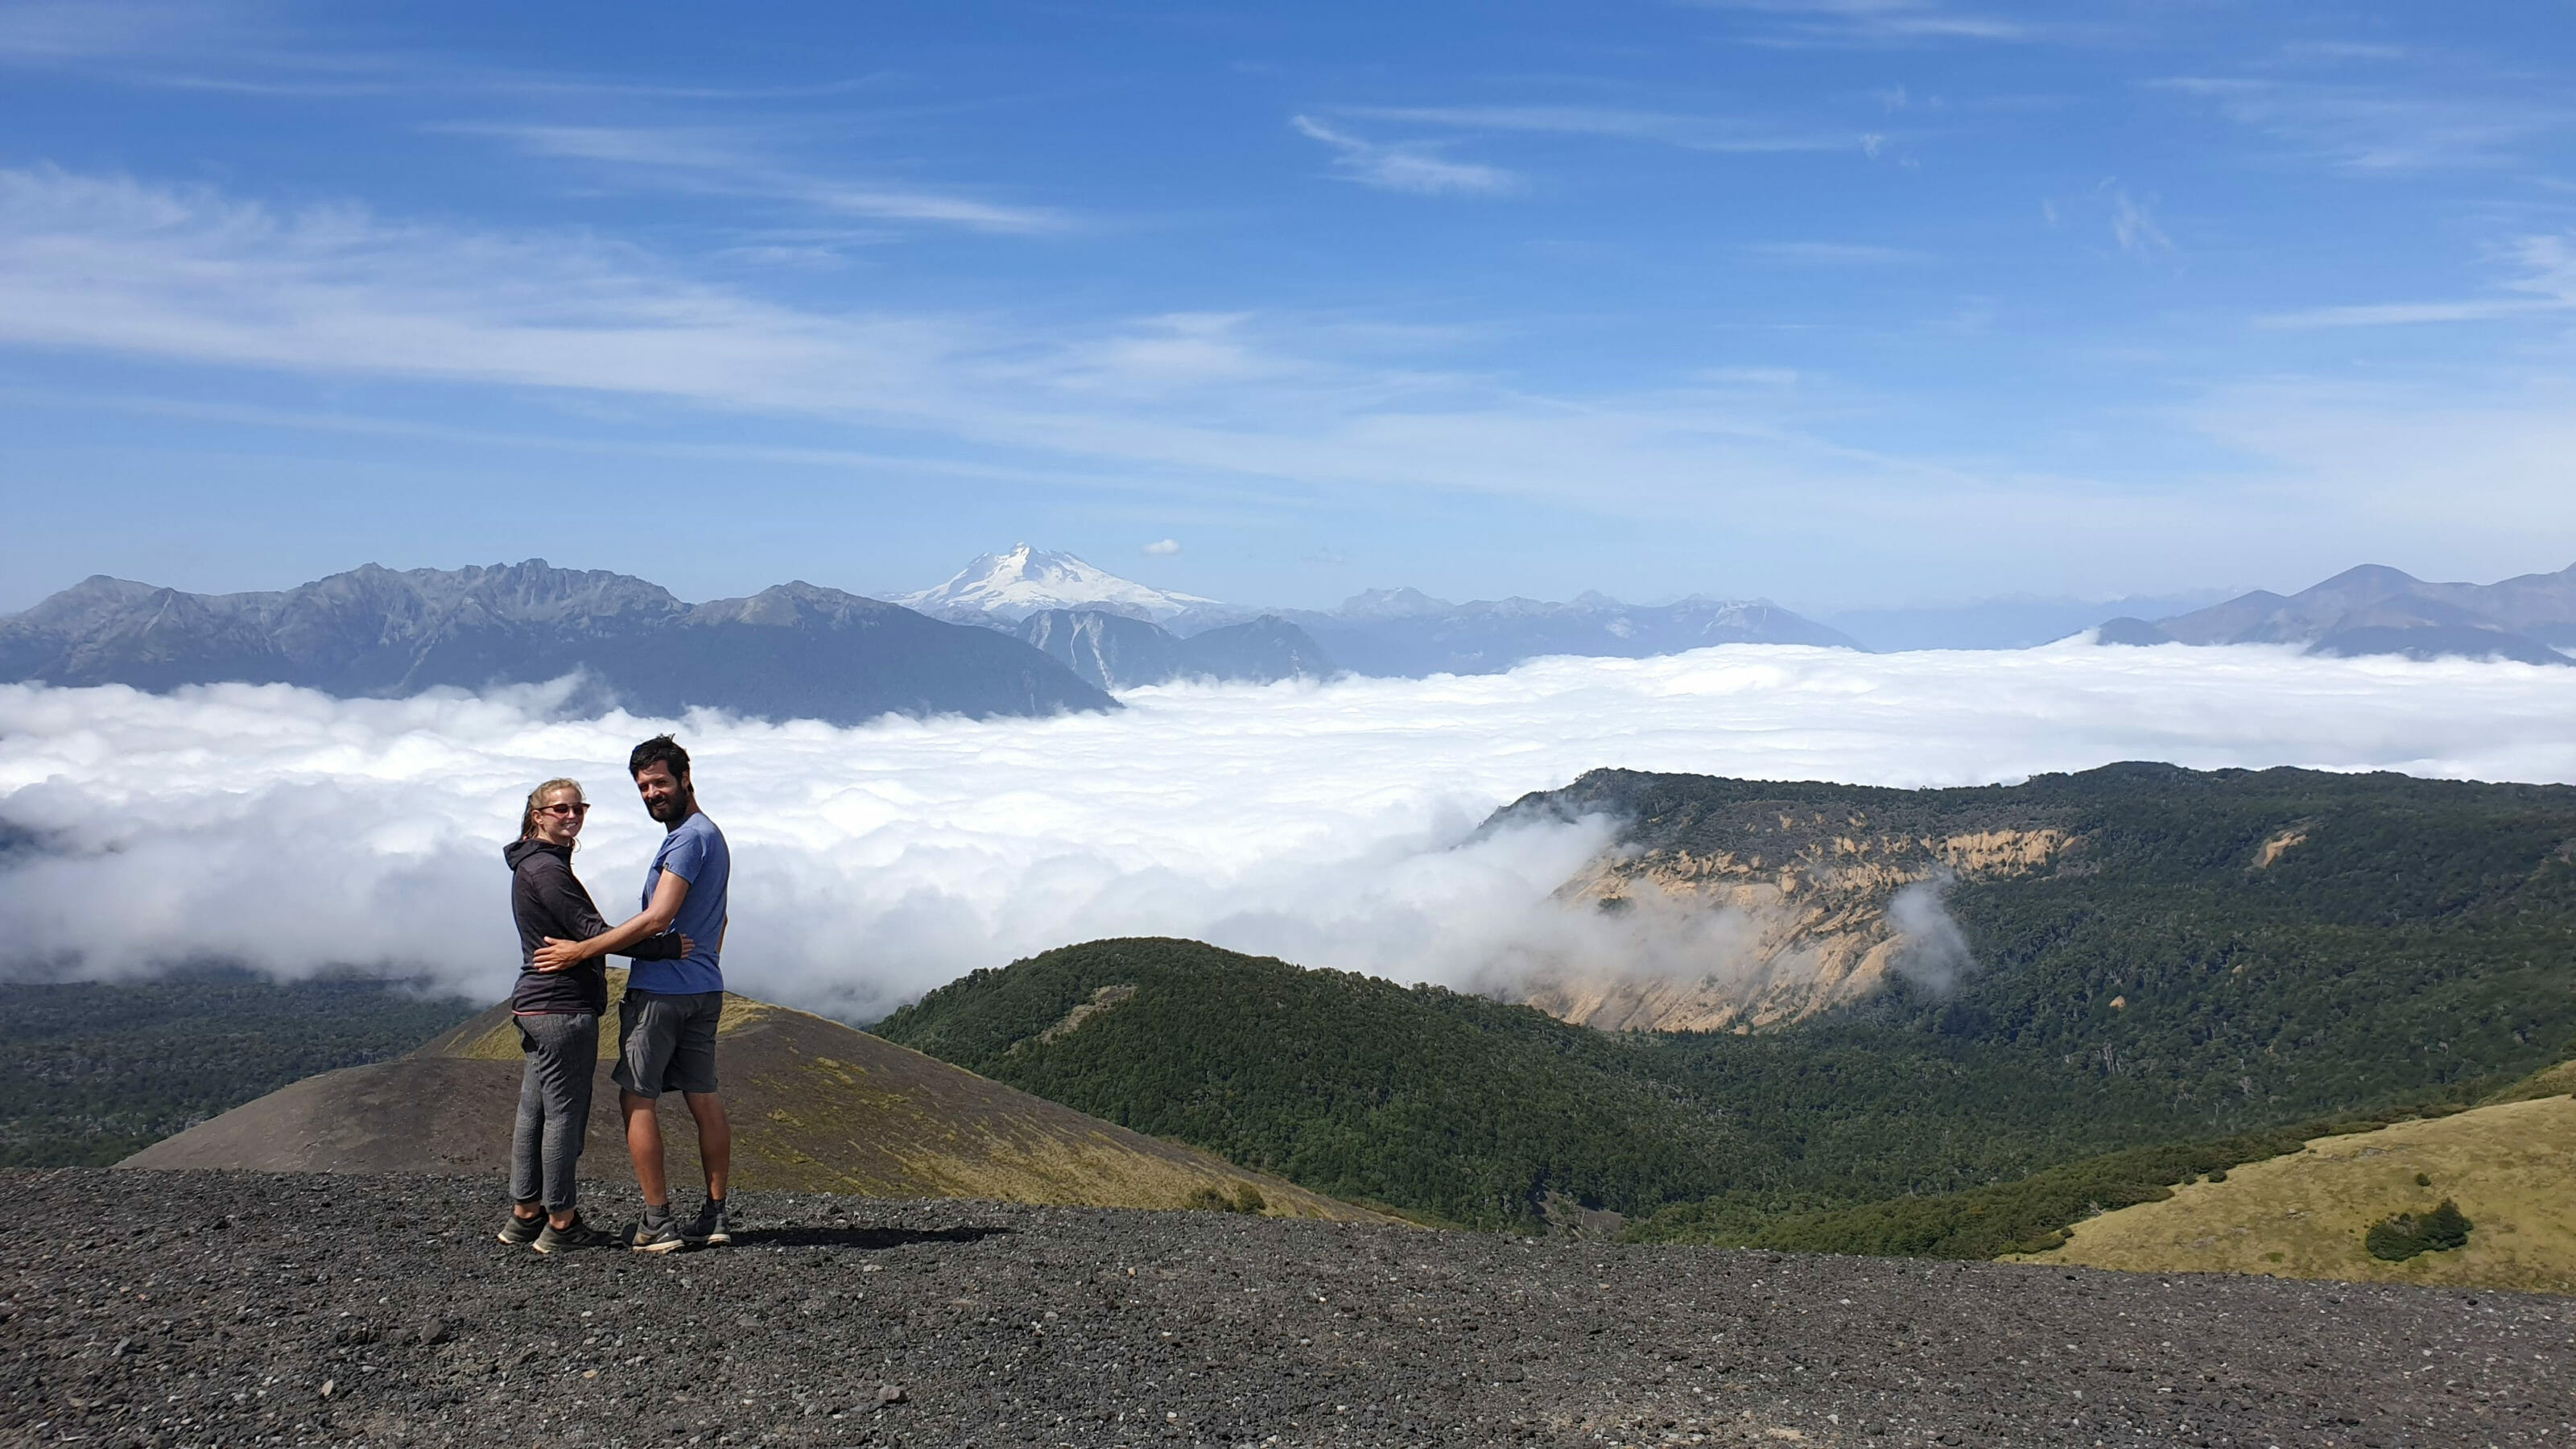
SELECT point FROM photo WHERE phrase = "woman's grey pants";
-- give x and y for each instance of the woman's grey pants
(554, 1106)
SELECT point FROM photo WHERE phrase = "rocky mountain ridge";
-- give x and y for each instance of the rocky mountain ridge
(794, 650)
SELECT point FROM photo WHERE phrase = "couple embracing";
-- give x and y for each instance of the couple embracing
(666, 1025)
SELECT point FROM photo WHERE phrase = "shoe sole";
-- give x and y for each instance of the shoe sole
(714, 1240)
(503, 1236)
(667, 1245)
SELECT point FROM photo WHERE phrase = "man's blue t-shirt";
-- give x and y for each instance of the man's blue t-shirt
(696, 853)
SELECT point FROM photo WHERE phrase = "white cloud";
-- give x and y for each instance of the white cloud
(1878, 21)
(2133, 225)
(1412, 167)
(1163, 547)
(1833, 254)
(2547, 284)
(1689, 132)
(719, 163)
(1332, 825)
(2380, 129)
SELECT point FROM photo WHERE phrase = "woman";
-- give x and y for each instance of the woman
(558, 1017)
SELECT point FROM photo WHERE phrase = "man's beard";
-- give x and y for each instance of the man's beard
(671, 807)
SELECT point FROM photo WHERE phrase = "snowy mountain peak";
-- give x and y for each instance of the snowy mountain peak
(1028, 580)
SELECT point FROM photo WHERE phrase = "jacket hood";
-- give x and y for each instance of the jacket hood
(518, 851)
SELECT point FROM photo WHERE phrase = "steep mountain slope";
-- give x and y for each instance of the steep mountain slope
(790, 651)
(1011, 586)
(2261, 944)
(2378, 610)
(815, 1105)
(1113, 651)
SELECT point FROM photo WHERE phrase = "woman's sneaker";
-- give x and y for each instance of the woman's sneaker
(711, 1226)
(574, 1234)
(518, 1232)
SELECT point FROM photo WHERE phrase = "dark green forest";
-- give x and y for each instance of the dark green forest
(91, 1072)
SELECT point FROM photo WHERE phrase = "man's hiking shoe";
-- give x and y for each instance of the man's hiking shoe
(710, 1226)
(519, 1232)
(575, 1234)
(661, 1237)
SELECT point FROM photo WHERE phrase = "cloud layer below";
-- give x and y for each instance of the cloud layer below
(1327, 824)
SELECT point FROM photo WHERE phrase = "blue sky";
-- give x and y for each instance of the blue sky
(1844, 302)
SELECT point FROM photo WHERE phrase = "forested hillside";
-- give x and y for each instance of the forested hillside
(91, 1072)
(2211, 956)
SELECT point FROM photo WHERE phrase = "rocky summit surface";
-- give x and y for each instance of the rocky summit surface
(182, 1308)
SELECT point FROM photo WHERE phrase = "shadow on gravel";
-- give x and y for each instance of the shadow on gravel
(864, 1239)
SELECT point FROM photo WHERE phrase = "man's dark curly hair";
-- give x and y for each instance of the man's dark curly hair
(659, 750)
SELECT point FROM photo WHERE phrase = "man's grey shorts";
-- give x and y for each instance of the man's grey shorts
(667, 1043)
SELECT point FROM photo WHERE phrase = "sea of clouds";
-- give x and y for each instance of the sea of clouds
(1333, 825)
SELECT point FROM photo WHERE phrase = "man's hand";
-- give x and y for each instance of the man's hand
(557, 955)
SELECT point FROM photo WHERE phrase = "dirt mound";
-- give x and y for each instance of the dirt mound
(816, 1106)
(241, 1308)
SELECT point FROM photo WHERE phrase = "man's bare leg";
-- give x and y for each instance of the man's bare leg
(715, 1142)
(644, 1147)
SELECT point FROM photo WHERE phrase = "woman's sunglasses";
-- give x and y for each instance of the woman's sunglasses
(565, 809)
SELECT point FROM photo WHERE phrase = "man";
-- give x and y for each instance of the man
(666, 1026)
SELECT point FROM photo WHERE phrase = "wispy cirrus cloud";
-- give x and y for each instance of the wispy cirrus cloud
(707, 161)
(1687, 131)
(2546, 285)
(2382, 128)
(1416, 167)
(1833, 254)
(1875, 21)
(2133, 223)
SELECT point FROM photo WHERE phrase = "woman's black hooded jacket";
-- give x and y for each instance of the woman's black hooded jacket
(548, 900)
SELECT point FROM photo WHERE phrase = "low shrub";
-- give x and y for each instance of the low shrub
(2396, 1239)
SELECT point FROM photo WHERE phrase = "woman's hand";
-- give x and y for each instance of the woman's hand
(688, 947)
(557, 955)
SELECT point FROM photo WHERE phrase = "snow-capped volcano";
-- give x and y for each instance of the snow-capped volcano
(1027, 580)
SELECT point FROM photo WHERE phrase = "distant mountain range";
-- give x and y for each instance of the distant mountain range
(2379, 610)
(2013, 621)
(1407, 633)
(1391, 632)
(793, 651)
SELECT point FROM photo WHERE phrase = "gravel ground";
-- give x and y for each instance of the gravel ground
(186, 1308)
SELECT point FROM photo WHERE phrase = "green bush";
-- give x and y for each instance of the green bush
(2396, 1239)
(1245, 1199)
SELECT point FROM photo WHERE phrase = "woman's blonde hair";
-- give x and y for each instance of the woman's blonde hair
(537, 796)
